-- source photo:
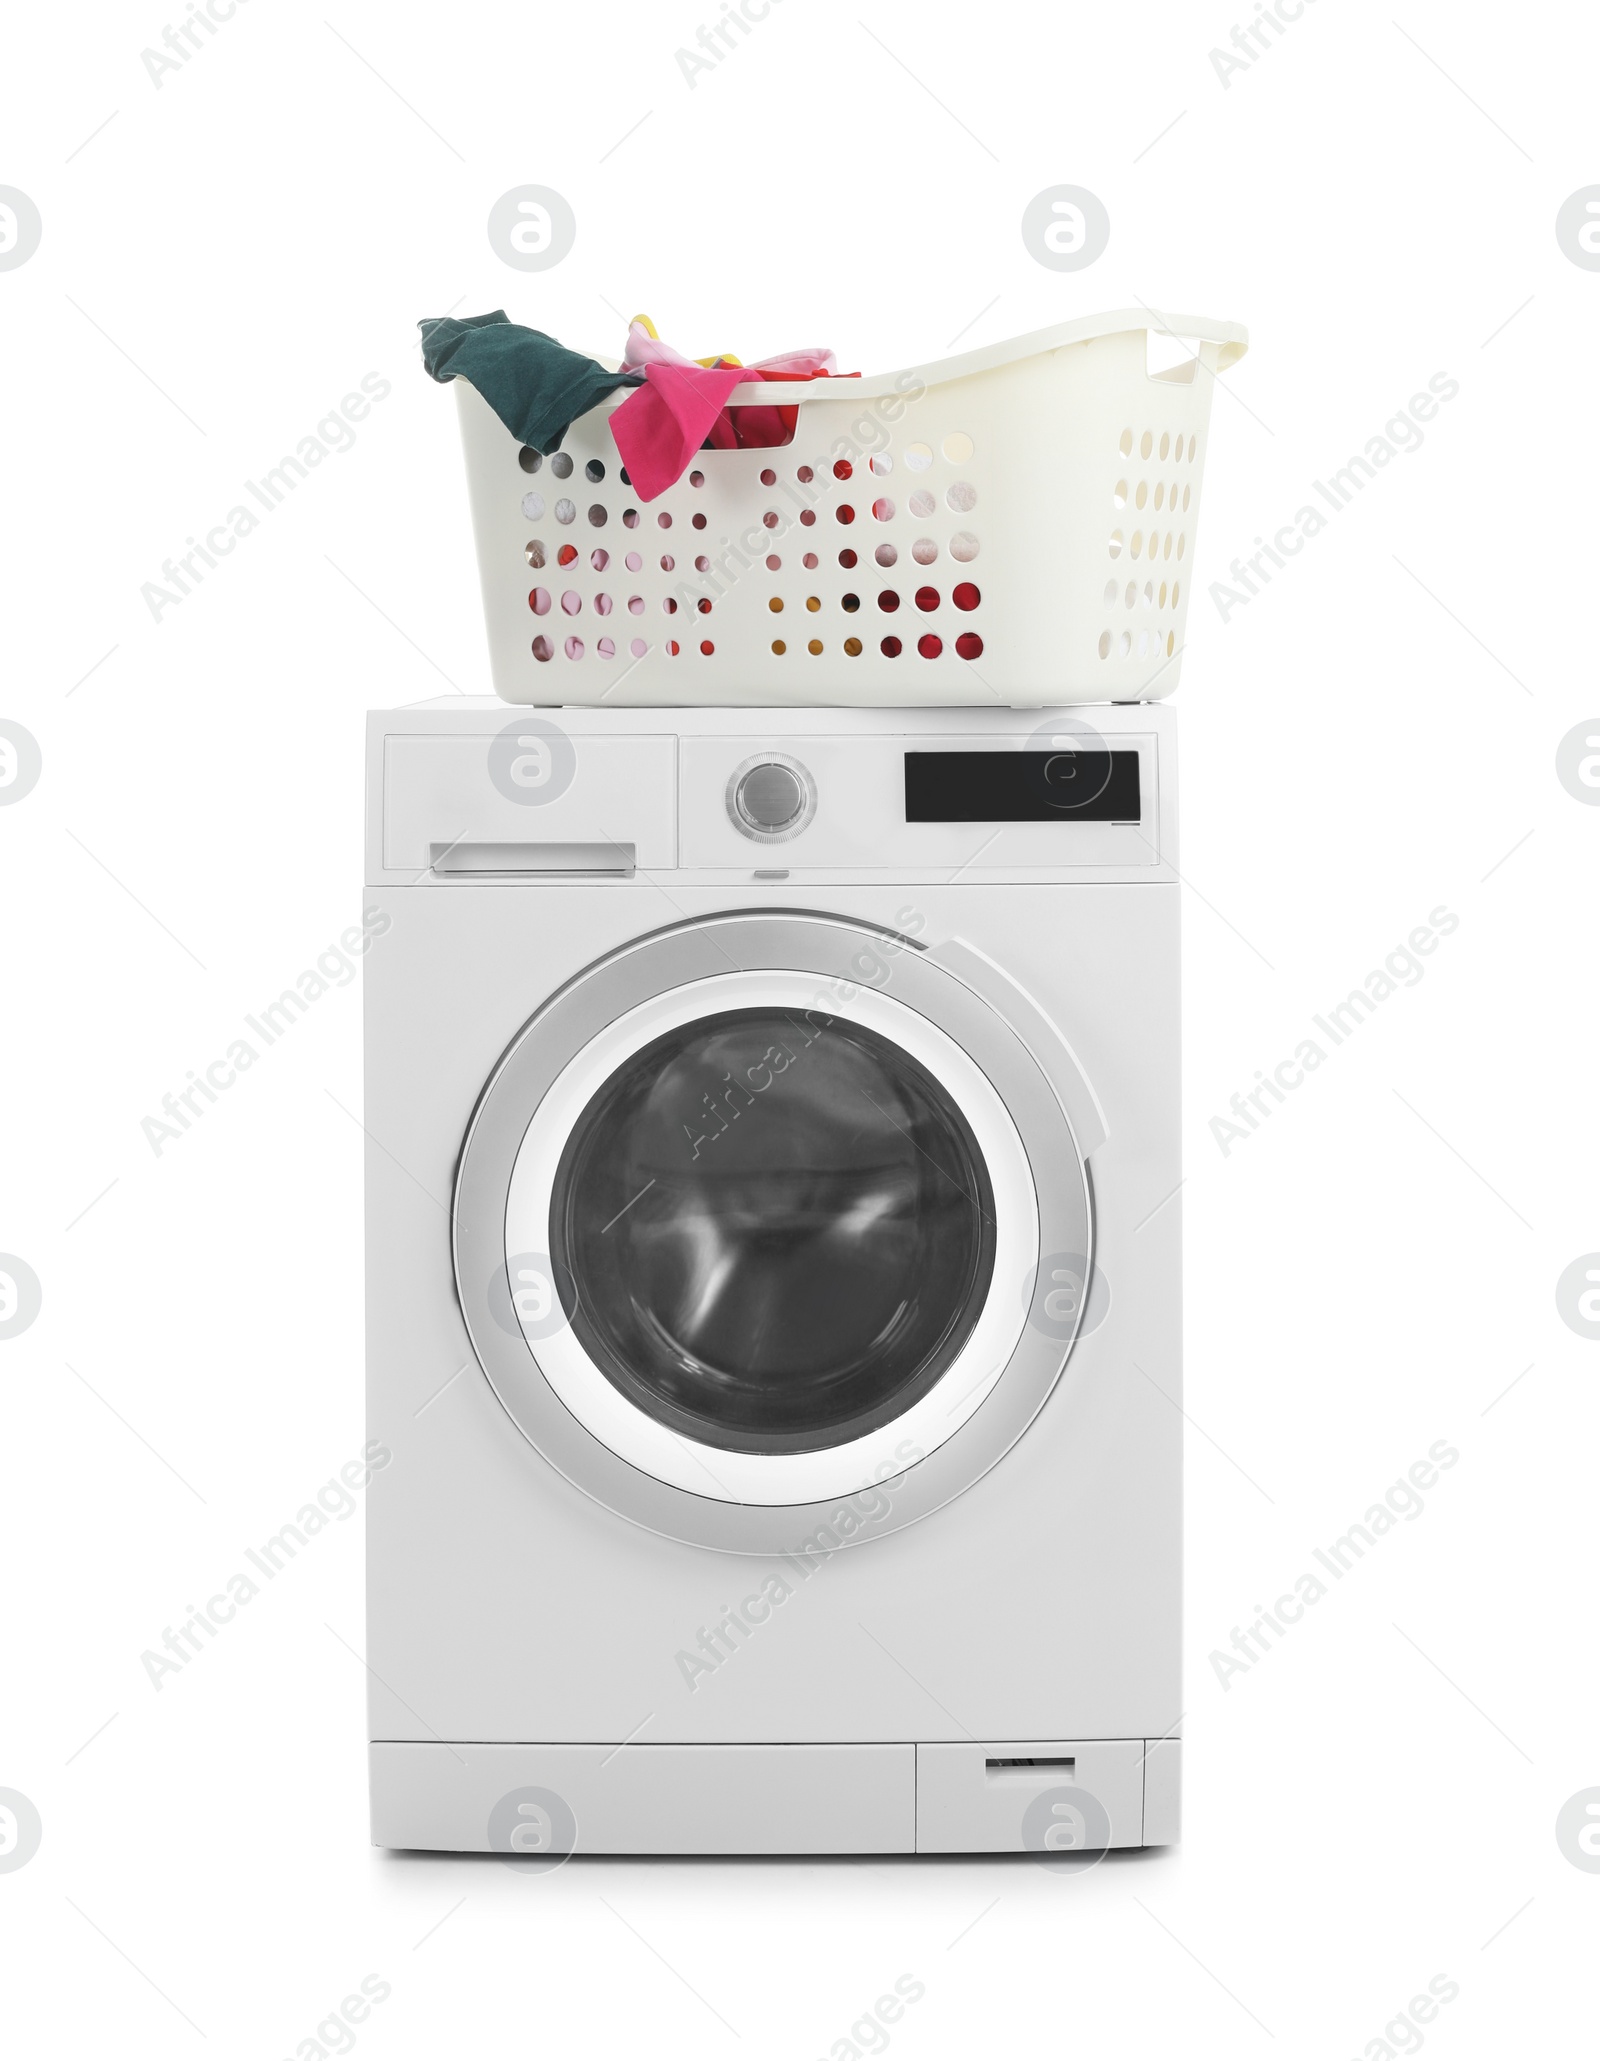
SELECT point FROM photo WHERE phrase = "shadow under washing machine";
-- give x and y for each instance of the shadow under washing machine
(773, 1280)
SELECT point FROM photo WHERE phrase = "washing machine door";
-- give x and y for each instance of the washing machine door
(769, 1223)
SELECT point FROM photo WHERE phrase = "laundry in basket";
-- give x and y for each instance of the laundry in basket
(1012, 526)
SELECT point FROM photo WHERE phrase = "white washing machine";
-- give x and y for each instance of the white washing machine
(773, 1280)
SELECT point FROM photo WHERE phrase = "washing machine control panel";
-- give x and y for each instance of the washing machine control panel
(845, 802)
(541, 795)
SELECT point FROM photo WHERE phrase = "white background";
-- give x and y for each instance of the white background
(1373, 736)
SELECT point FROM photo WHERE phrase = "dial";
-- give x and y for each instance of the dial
(771, 798)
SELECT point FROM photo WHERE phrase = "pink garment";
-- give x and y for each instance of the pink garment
(662, 424)
(680, 408)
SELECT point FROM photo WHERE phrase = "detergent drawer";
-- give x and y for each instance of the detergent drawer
(534, 791)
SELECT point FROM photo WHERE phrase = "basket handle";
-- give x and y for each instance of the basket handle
(1217, 357)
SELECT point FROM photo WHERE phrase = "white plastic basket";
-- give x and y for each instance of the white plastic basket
(1014, 526)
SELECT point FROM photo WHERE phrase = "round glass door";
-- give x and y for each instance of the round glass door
(747, 1243)
(772, 1234)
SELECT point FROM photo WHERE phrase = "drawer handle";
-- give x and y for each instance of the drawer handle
(531, 860)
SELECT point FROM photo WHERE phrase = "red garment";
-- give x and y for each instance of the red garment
(758, 428)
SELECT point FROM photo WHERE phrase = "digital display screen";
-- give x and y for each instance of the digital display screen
(1022, 786)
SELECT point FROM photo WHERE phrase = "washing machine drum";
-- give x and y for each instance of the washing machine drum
(764, 1211)
(770, 1235)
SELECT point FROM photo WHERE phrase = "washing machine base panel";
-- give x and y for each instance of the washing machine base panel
(534, 1805)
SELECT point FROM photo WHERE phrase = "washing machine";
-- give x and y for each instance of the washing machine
(773, 1278)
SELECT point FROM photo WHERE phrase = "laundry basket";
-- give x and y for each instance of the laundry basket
(1013, 526)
